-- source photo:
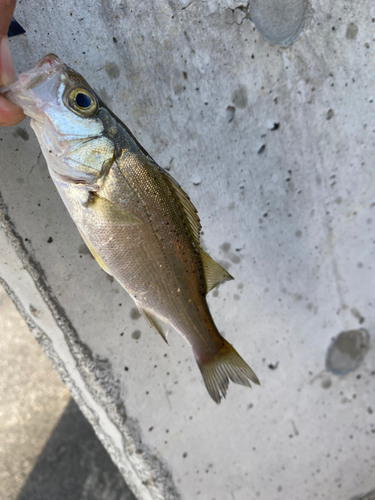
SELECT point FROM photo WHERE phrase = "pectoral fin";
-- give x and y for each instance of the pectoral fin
(213, 272)
(154, 324)
(110, 212)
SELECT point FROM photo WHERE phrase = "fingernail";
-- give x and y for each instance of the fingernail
(6, 65)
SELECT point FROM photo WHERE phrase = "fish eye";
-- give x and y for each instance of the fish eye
(82, 102)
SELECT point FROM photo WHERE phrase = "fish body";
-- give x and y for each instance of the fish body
(136, 220)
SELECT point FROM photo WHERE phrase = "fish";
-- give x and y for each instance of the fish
(134, 217)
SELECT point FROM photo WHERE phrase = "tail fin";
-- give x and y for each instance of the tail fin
(225, 364)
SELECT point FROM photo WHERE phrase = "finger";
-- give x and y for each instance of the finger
(6, 9)
(6, 66)
(10, 114)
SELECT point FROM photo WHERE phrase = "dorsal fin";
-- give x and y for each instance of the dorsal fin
(187, 206)
(213, 272)
(154, 324)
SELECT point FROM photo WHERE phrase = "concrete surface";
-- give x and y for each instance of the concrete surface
(47, 447)
(275, 147)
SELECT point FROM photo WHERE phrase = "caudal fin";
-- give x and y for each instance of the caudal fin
(226, 364)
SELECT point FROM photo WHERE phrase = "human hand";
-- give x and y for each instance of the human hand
(10, 114)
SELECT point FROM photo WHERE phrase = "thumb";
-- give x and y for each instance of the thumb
(6, 65)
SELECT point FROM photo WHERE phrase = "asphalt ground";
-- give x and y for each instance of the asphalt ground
(48, 450)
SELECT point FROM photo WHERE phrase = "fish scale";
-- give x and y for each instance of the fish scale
(139, 224)
(163, 225)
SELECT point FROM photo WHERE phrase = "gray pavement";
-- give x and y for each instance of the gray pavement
(48, 450)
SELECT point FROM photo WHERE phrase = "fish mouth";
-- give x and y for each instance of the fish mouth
(42, 70)
(37, 86)
(49, 61)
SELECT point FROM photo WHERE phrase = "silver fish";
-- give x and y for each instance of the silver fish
(136, 220)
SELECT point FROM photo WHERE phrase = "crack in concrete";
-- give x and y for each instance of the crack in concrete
(188, 5)
(35, 165)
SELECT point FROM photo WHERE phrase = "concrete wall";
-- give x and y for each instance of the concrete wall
(275, 147)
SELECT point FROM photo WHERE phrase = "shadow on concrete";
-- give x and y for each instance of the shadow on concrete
(74, 465)
(367, 496)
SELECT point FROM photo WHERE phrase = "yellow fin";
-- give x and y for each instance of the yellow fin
(94, 254)
(154, 324)
(224, 365)
(109, 212)
(189, 209)
(213, 272)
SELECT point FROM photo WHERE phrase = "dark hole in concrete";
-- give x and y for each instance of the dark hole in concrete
(347, 351)
(225, 247)
(239, 97)
(112, 70)
(231, 111)
(326, 383)
(134, 313)
(136, 334)
(261, 149)
(351, 31)
(357, 315)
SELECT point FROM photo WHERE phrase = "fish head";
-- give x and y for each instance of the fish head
(76, 132)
